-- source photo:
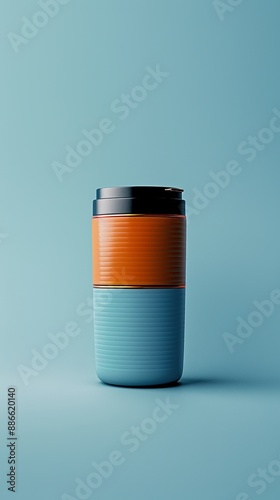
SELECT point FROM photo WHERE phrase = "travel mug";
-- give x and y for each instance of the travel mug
(139, 260)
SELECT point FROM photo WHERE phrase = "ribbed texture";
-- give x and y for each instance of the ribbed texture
(135, 251)
(139, 335)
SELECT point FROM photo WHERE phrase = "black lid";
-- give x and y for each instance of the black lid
(139, 200)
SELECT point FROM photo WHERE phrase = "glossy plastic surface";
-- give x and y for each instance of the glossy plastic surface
(139, 251)
(139, 335)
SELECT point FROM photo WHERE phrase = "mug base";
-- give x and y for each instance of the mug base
(140, 382)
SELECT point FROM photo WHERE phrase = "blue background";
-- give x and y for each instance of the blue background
(222, 86)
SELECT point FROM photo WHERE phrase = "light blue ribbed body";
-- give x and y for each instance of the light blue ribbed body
(139, 335)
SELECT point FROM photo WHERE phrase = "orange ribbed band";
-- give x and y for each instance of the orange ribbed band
(139, 250)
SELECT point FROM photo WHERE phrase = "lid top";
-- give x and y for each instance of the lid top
(139, 192)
